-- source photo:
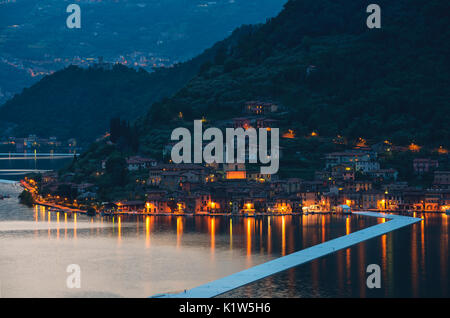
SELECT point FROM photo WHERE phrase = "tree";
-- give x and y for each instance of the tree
(26, 198)
(91, 212)
(114, 129)
(116, 167)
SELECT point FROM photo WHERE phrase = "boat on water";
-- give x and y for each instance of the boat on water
(315, 208)
(344, 209)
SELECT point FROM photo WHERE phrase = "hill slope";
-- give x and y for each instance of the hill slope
(377, 84)
(77, 102)
(389, 83)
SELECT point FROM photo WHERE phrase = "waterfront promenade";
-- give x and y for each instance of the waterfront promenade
(48, 204)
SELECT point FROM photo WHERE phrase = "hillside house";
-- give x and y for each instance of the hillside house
(260, 108)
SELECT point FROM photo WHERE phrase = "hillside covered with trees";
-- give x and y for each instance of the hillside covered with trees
(79, 103)
(389, 83)
(332, 76)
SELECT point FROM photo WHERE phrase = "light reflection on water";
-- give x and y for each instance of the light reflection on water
(16, 166)
(144, 255)
(413, 260)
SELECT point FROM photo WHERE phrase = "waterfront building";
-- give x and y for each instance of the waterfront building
(373, 200)
(127, 206)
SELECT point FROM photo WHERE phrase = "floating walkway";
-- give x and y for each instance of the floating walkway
(261, 271)
(9, 181)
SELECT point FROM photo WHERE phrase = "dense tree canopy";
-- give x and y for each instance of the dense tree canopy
(389, 83)
(79, 103)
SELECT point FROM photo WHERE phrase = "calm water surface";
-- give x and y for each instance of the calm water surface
(143, 256)
(414, 262)
(15, 166)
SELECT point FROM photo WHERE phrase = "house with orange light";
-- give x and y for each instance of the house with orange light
(242, 122)
(394, 199)
(260, 177)
(309, 198)
(355, 185)
(413, 199)
(343, 172)
(164, 205)
(432, 201)
(129, 206)
(350, 198)
(248, 207)
(373, 200)
(290, 134)
(260, 108)
(235, 171)
(284, 204)
(171, 180)
(203, 202)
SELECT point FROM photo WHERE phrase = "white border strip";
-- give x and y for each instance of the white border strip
(261, 271)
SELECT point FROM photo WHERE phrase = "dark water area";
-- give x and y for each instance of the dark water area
(140, 256)
(414, 262)
(15, 166)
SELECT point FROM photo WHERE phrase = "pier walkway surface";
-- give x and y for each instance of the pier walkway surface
(261, 271)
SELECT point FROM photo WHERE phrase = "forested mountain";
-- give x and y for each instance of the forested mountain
(333, 76)
(35, 41)
(78, 102)
(389, 83)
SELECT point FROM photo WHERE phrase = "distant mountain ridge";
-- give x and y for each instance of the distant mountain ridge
(78, 102)
(35, 39)
(390, 83)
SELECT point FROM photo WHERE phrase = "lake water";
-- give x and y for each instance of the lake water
(147, 255)
(414, 262)
(15, 166)
(143, 256)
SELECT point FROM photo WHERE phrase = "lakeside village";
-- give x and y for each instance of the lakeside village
(34, 143)
(349, 180)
